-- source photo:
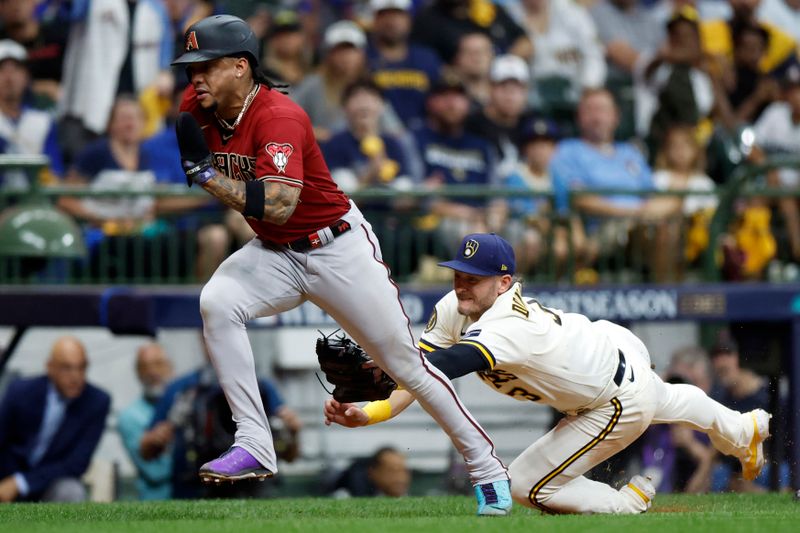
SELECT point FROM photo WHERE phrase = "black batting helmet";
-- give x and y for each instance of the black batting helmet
(218, 36)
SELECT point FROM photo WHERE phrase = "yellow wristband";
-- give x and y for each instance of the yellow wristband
(378, 411)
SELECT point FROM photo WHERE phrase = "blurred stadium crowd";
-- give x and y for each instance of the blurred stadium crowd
(536, 99)
(562, 123)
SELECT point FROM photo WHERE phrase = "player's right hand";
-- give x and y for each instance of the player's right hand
(195, 156)
(345, 414)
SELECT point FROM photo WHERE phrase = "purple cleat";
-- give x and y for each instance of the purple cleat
(233, 465)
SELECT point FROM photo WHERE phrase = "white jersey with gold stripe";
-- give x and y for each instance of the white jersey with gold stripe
(535, 353)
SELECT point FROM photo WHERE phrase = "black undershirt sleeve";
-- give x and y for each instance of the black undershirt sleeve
(458, 360)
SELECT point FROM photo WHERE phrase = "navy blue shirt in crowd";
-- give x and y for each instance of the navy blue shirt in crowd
(163, 157)
(343, 150)
(406, 83)
(97, 156)
(461, 160)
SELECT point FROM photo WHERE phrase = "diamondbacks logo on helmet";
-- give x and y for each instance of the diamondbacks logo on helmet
(191, 42)
(280, 154)
(470, 248)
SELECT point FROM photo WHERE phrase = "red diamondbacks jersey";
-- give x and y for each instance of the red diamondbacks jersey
(275, 142)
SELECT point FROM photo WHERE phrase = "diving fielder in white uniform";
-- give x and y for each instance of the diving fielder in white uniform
(597, 373)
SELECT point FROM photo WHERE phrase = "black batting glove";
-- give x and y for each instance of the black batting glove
(195, 155)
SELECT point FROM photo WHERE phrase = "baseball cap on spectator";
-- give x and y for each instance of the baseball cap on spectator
(12, 50)
(725, 344)
(539, 128)
(446, 83)
(284, 22)
(685, 13)
(483, 254)
(381, 5)
(344, 32)
(509, 67)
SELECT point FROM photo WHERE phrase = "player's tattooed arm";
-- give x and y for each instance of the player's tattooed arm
(280, 199)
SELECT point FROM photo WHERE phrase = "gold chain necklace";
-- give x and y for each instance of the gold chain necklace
(247, 101)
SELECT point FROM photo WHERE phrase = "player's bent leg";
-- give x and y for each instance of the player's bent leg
(236, 293)
(354, 287)
(732, 433)
(549, 474)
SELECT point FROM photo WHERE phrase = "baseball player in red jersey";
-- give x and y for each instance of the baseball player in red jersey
(254, 150)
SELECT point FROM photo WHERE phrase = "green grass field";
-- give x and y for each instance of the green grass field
(679, 513)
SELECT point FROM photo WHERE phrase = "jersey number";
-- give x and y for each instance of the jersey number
(553, 314)
(498, 377)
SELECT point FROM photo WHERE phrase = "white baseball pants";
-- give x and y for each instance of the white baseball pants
(549, 474)
(349, 281)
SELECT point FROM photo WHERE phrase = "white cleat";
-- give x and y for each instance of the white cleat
(642, 491)
(754, 461)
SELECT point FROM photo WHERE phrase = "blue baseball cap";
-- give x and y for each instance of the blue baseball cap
(483, 254)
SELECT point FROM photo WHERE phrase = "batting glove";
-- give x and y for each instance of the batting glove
(195, 155)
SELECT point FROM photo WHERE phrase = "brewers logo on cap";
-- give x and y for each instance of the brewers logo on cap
(470, 248)
(191, 42)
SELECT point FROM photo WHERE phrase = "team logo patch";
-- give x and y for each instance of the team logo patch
(191, 42)
(431, 321)
(470, 248)
(280, 154)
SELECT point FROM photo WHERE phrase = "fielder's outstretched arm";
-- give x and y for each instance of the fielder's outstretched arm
(455, 361)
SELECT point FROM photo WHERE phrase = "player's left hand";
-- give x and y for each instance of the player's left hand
(345, 414)
(195, 155)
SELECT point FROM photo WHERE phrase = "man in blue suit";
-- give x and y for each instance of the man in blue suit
(49, 429)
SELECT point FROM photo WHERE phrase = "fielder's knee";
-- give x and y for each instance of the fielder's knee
(522, 488)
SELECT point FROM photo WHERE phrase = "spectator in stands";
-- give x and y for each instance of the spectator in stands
(343, 62)
(777, 132)
(49, 429)
(743, 89)
(115, 161)
(626, 29)
(784, 14)
(361, 156)
(384, 473)
(567, 54)
(154, 370)
(677, 458)
(719, 38)
(737, 387)
(595, 161)
(23, 130)
(42, 28)
(502, 118)
(472, 63)
(114, 47)
(287, 55)
(453, 157)
(193, 418)
(404, 70)
(672, 84)
(129, 227)
(441, 24)
(680, 166)
(527, 221)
